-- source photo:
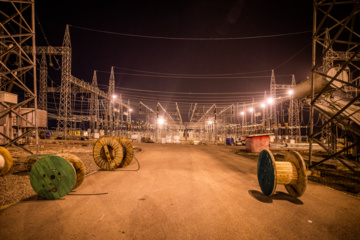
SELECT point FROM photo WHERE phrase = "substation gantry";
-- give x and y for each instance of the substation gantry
(18, 112)
(72, 85)
(334, 88)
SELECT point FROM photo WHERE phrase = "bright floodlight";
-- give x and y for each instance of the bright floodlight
(263, 105)
(160, 121)
(114, 96)
(130, 110)
(210, 122)
(290, 92)
(270, 100)
(242, 113)
(251, 109)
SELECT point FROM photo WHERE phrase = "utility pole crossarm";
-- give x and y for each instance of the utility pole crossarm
(167, 114)
(93, 89)
(141, 103)
(193, 112)
(207, 112)
(225, 109)
(48, 50)
(178, 112)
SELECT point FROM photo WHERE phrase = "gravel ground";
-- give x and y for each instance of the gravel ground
(15, 185)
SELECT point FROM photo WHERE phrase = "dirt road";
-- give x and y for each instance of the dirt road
(184, 192)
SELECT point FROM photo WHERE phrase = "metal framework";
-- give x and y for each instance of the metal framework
(65, 90)
(336, 45)
(94, 107)
(111, 103)
(43, 83)
(273, 119)
(17, 30)
(294, 115)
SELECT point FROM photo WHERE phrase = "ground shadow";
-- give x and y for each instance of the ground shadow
(37, 198)
(86, 194)
(277, 196)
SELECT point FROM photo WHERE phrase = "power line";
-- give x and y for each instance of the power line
(290, 58)
(190, 93)
(190, 77)
(193, 75)
(191, 39)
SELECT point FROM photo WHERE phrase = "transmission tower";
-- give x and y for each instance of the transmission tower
(65, 90)
(252, 113)
(43, 83)
(264, 112)
(336, 41)
(94, 107)
(244, 122)
(294, 115)
(111, 104)
(129, 113)
(273, 119)
(17, 28)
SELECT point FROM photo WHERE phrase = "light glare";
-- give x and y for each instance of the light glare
(270, 100)
(161, 121)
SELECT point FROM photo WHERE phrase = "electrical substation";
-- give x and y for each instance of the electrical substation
(179, 165)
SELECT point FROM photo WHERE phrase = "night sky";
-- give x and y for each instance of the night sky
(183, 19)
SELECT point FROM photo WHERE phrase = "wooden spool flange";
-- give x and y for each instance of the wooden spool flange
(52, 177)
(6, 161)
(78, 166)
(289, 172)
(108, 153)
(128, 151)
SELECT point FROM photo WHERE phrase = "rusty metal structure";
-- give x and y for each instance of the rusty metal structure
(335, 82)
(18, 96)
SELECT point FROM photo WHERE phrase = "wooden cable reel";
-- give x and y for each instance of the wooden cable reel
(128, 151)
(108, 153)
(71, 158)
(291, 172)
(6, 161)
(78, 166)
(52, 177)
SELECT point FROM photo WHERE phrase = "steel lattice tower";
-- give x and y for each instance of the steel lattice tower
(121, 113)
(294, 117)
(94, 107)
(129, 113)
(328, 63)
(244, 120)
(117, 118)
(252, 113)
(336, 42)
(111, 104)
(273, 120)
(65, 90)
(17, 28)
(264, 111)
(43, 83)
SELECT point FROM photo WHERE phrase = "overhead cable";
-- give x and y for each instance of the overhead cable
(190, 38)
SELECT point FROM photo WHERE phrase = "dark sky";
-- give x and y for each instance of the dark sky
(183, 19)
